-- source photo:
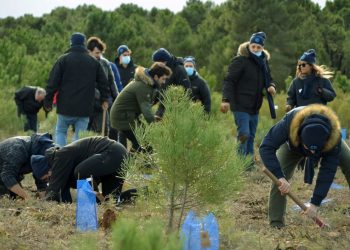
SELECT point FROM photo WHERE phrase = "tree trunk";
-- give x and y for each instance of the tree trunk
(184, 198)
(171, 208)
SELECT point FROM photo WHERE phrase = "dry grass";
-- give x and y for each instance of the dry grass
(243, 221)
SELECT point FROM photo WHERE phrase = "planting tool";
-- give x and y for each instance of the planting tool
(104, 121)
(317, 220)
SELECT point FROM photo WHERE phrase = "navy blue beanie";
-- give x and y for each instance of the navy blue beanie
(309, 56)
(39, 165)
(121, 49)
(314, 132)
(258, 38)
(77, 39)
(190, 59)
(161, 55)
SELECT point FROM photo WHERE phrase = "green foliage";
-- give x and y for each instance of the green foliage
(129, 234)
(30, 45)
(196, 163)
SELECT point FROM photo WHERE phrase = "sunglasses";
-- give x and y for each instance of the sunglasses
(302, 65)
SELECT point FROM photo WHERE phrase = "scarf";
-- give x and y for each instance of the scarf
(262, 62)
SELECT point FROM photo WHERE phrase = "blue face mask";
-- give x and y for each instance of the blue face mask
(257, 53)
(189, 71)
(125, 59)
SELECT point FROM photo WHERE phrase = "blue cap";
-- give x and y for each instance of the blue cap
(161, 55)
(258, 38)
(190, 59)
(121, 49)
(39, 165)
(77, 39)
(309, 56)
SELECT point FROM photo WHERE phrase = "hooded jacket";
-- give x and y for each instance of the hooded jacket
(15, 154)
(287, 131)
(135, 99)
(179, 77)
(245, 81)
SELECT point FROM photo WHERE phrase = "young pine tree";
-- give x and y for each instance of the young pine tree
(196, 160)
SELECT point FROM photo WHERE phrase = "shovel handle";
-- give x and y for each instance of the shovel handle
(317, 220)
(104, 114)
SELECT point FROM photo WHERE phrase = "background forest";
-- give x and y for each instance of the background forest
(211, 33)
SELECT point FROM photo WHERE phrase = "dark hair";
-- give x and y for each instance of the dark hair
(159, 69)
(95, 42)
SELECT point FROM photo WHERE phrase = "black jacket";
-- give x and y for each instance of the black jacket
(200, 91)
(74, 76)
(126, 74)
(321, 91)
(179, 77)
(25, 101)
(244, 83)
(68, 157)
(287, 131)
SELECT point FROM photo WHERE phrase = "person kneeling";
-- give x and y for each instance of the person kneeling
(97, 156)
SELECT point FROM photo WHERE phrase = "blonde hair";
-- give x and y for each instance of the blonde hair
(319, 70)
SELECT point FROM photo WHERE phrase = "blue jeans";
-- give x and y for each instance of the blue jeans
(246, 129)
(63, 122)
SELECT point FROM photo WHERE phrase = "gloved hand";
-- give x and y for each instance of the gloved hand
(284, 186)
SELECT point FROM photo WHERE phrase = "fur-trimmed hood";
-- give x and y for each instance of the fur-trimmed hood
(142, 75)
(299, 117)
(244, 51)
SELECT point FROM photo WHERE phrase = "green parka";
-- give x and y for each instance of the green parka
(135, 99)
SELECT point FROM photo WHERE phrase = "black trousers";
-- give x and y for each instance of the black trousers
(105, 168)
(31, 123)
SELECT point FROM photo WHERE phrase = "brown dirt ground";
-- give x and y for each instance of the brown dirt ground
(243, 221)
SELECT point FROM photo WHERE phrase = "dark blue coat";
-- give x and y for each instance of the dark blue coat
(321, 91)
(200, 91)
(286, 131)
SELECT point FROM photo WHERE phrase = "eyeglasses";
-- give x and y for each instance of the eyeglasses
(302, 65)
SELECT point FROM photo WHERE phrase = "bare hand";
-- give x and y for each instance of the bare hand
(311, 211)
(284, 186)
(288, 108)
(224, 107)
(105, 105)
(271, 90)
(157, 118)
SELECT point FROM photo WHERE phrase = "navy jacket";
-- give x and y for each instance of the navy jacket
(286, 131)
(321, 92)
(200, 91)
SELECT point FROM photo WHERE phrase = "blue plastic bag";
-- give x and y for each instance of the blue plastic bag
(198, 232)
(86, 207)
(343, 133)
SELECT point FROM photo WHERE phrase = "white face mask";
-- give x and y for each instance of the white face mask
(258, 53)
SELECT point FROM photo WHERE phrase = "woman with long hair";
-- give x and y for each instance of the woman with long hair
(311, 83)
